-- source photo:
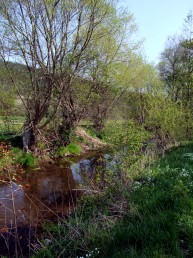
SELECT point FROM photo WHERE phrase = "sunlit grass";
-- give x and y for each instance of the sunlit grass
(157, 219)
(11, 124)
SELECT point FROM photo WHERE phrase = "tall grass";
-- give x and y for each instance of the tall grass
(148, 216)
(161, 223)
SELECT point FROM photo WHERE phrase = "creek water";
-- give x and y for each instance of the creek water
(49, 191)
(46, 193)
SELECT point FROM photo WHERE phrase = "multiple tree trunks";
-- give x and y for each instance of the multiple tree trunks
(67, 49)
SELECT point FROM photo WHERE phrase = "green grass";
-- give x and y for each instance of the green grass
(161, 224)
(154, 220)
(19, 119)
(71, 148)
(11, 123)
(23, 158)
(5, 137)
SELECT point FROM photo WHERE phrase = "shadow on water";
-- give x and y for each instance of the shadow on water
(47, 193)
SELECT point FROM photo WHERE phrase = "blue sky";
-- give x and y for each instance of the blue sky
(156, 20)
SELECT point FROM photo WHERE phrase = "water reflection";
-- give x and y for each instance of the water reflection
(48, 192)
(9, 194)
(88, 168)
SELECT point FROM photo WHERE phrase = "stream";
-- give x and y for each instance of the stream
(48, 192)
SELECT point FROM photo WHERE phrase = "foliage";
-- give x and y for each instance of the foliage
(165, 119)
(175, 68)
(94, 36)
(89, 68)
(124, 133)
(27, 160)
(74, 148)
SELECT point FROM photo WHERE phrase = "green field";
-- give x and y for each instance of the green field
(11, 124)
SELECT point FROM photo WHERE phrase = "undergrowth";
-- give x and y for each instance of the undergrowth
(120, 133)
(148, 216)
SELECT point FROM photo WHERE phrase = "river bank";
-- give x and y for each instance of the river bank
(150, 216)
(48, 193)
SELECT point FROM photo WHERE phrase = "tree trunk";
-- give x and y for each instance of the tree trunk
(29, 138)
(98, 124)
(70, 121)
(98, 127)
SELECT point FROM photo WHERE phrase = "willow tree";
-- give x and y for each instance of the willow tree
(108, 56)
(97, 92)
(51, 39)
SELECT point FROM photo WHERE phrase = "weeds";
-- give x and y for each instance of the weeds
(150, 216)
(161, 224)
